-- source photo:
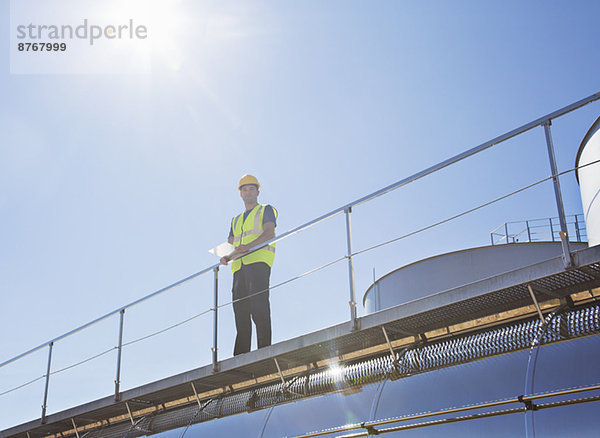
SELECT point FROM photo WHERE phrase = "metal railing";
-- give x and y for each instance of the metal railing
(544, 122)
(539, 230)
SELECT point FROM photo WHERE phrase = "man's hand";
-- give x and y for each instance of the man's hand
(242, 249)
(239, 250)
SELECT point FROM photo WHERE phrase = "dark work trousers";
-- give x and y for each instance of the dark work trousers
(247, 281)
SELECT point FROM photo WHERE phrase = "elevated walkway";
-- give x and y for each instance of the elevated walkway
(512, 295)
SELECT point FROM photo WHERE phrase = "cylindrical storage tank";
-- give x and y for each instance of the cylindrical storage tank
(589, 181)
(447, 271)
(486, 374)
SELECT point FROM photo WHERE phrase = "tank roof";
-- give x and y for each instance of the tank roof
(595, 126)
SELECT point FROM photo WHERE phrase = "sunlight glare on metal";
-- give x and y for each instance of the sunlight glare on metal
(336, 372)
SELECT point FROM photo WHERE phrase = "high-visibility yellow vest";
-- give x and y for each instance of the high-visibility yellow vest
(245, 232)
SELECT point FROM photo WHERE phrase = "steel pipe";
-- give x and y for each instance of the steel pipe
(215, 319)
(352, 301)
(564, 237)
(119, 351)
(44, 405)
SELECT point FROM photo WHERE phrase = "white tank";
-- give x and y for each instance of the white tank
(447, 271)
(589, 181)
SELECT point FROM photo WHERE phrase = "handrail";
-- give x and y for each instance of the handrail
(502, 231)
(536, 219)
(538, 122)
(542, 121)
(114, 312)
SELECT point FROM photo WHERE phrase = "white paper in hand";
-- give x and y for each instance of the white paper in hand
(222, 250)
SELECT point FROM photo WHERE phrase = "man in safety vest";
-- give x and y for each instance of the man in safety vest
(251, 269)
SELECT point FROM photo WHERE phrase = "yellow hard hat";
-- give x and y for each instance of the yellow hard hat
(248, 179)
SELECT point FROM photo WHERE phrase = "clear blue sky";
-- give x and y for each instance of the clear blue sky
(113, 186)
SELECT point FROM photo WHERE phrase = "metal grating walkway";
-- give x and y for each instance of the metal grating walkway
(491, 296)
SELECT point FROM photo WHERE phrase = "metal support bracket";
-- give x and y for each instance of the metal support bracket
(129, 412)
(196, 395)
(567, 302)
(529, 405)
(370, 429)
(279, 370)
(389, 344)
(535, 303)
(75, 427)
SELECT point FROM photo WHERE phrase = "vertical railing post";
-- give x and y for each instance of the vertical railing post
(119, 351)
(577, 232)
(352, 301)
(44, 405)
(564, 237)
(215, 320)
(506, 231)
(528, 231)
